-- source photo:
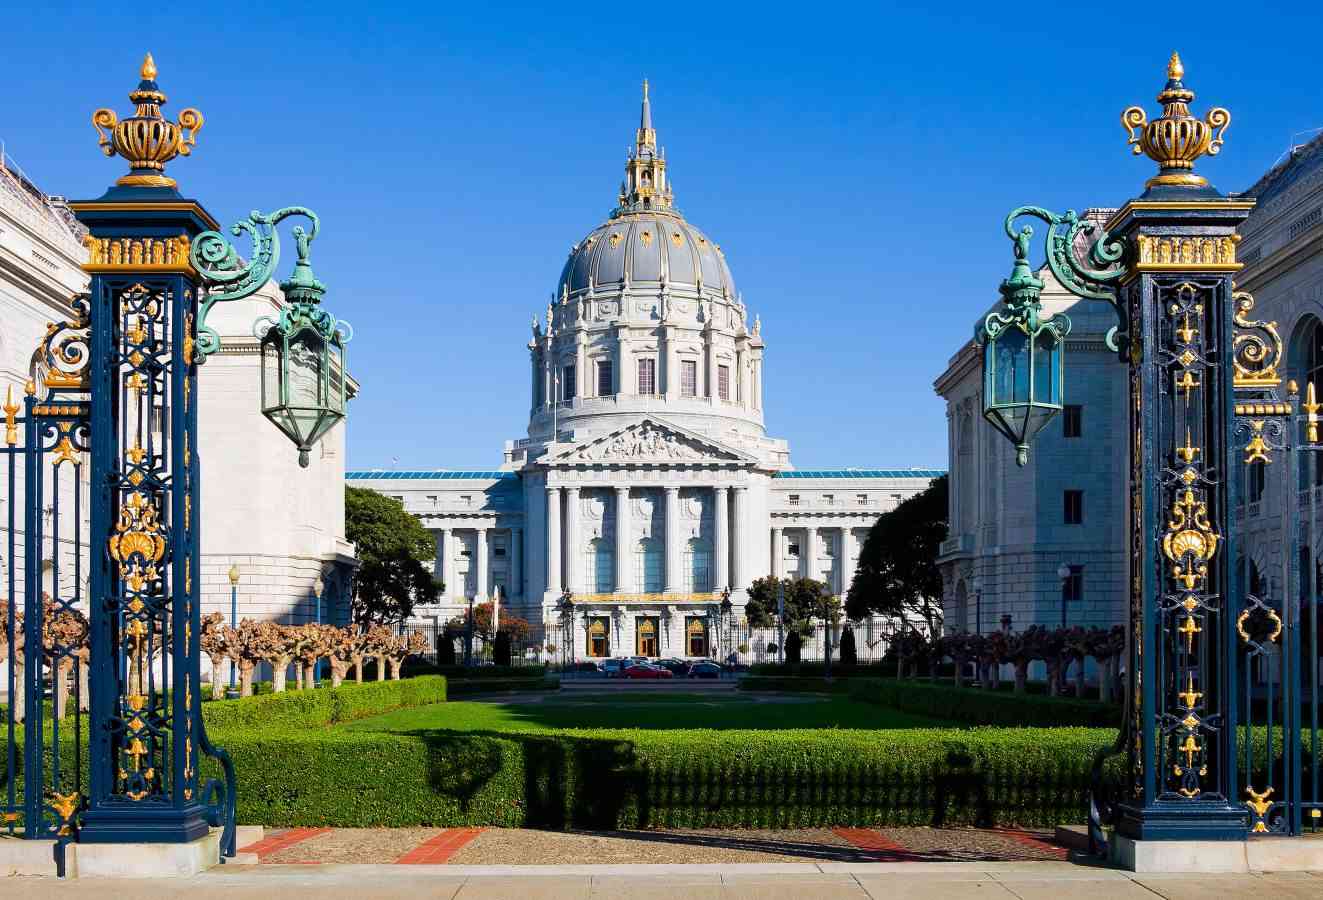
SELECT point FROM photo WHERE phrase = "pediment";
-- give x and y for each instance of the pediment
(651, 441)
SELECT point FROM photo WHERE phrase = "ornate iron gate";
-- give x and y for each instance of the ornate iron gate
(45, 565)
(1277, 617)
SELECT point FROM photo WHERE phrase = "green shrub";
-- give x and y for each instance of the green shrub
(468, 687)
(323, 706)
(675, 779)
(980, 707)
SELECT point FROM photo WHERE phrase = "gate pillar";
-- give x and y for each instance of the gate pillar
(145, 731)
(1178, 298)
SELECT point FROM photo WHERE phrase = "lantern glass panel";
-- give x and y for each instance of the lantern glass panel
(270, 374)
(336, 396)
(1011, 381)
(1047, 366)
(306, 382)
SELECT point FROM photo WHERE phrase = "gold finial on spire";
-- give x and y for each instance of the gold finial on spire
(1176, 139)
(147, 139)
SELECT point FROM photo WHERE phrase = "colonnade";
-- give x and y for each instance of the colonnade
(730, 563)
(808, 552)
(481, 566)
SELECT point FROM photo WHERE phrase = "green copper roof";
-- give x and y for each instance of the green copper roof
(862, 473)
(428, 474)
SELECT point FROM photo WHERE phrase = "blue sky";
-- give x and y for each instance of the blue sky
(854, 162)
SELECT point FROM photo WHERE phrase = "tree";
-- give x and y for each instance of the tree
(393, 547)
(341, 648)
(501, 648)
(511, 625)
(897, 573)
(806, 600)
(212, 641)
(247, 646)
(849, 653)
(445, 648)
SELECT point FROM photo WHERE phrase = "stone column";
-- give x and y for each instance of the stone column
(710, 363)
(672, 374)
(738, 389)
(453, 590)
(548, 377)
(674, 583)
(778, 552)
(438, 565)
(580, 376)
(847, 559)
(480, 582)
(623, 556)
(810, 552)
(554, 581)
(572, 549)
(623, 359)
(739, 574)
(721, 539)
(517, 562)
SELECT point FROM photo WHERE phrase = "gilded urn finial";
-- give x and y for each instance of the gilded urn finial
(147, 139)
(1176, 139)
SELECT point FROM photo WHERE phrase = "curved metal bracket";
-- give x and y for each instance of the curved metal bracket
(1093, 277)
(228, 277)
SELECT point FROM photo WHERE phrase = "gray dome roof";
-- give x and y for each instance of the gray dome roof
(646, 248)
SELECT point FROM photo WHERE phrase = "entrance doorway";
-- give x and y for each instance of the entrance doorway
(645, 636)
(695, 632)
(599, 638)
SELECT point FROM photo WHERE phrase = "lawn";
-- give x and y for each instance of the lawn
(647, 711)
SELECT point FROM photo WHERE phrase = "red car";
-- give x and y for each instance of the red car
(644, 671)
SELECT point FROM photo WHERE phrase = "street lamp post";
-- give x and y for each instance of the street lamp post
(319, 588)
(566, 608)
(978, 605)
(1063, 574)
(726, 607)
(233, 691)
(1202, 374)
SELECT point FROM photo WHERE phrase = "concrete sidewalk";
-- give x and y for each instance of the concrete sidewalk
(766, 881)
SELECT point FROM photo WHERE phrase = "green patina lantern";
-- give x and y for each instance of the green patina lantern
(303, 360)
(1023, 357)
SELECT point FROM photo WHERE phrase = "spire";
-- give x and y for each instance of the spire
(647, 137)
(645, 186)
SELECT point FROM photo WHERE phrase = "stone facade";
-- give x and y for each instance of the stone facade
(282, 525)
(1009, 535)
(647, 484)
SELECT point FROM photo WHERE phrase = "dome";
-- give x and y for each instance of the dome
(641, 249)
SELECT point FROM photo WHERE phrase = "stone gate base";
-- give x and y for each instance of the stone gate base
(20, 857)
(1264, 854)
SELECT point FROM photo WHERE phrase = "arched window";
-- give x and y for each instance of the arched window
(601, 566)
(649, 567)
(697, 566)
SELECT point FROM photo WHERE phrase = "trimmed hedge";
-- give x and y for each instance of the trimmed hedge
(676, 779)
(969, 705)
(323, 706)
(470, 687)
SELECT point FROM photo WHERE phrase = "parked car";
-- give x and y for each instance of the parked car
(705, 670)
(613, 667)
(648, 671)
(587, 665)
(677, 667)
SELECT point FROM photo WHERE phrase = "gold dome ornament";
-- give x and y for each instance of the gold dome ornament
(147, 139)
(1176, 139)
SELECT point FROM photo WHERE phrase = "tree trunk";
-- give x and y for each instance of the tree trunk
(358, 669)
(996, 675)
(1021, 677)
(298, 676)
(246, 678)
(16, 702)
(310, 674)
(1105, 679)
(1080, 685)
(395, 666)
(61, 688)
(1053, 678)
(338, 669)
(279, 672)
(959, 673)
(381, 668)
(84, 687)
(217, 688)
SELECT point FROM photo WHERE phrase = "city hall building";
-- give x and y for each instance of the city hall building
(648, 484)
(1015, 531)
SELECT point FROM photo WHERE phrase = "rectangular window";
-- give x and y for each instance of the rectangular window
(723, 382)
(1257, 481)
(1074, 507)
(647, 377)
(465, 499)
(862, 499)
(793, 499)
(792, 549)
(498, 552)
(828, 499)
(1072, 421)
(1072, 591)
(569, 384)
(605, 379)
(688, 378)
